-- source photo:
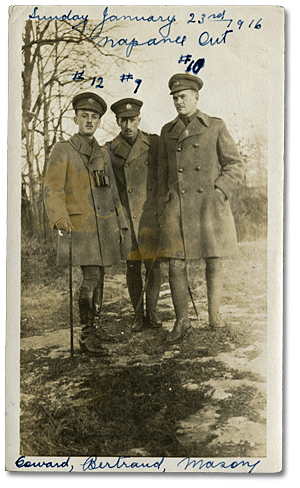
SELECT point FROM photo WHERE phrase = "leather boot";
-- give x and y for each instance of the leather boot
(153, 277)
(138, 323)
(99, 331)
(97, 305)
(214, 283)
(89, 343)
(179, 330)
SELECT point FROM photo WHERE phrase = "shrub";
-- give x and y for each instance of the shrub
(38, 260)
(250, 211)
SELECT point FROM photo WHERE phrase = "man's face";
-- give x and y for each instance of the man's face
(87, 121)
(129, 126)
(185, 102)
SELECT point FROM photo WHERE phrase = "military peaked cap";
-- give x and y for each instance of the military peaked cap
(184, 81)
(127, 107)
(88, 100)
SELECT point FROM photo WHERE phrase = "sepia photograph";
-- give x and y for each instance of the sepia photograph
(145, 208)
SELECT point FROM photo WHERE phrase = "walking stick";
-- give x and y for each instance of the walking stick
(71, 291)
(144, 289)
(193, 302)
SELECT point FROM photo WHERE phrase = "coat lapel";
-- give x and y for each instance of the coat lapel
(91, 155)
(120, 147)
(197, 126)
(177, 128)
(140, 146)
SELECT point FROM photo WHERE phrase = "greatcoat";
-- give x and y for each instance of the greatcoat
(195, 219)
(135, 169)
(95, 212)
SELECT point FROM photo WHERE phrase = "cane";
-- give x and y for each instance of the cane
(144, 289)
(71, 291)
(193, 302)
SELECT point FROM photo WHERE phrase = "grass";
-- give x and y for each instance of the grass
(147, 398)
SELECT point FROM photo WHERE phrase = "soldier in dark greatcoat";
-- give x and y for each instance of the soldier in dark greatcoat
(199, 167)
(81, 196)
(134, 160)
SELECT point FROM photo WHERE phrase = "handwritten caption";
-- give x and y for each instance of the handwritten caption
(125, 462)
(164, 26)
(98, 81)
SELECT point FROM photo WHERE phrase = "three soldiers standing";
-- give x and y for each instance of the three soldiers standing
(161, 197)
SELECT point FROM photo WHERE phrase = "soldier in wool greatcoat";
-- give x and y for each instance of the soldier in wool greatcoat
(134, 160)
(199, 167)
(81, 197)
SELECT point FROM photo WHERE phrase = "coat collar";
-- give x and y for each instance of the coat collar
(83, 146)
(93, 152)
(121, 148)
(196, 126)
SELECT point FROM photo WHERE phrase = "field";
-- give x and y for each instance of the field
(205, 397)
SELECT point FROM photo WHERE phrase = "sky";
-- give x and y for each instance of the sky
(235, 68)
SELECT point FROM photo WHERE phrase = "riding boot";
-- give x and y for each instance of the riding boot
(214, 283)
(180, 297)
(135, 289)
(100, 333)
(153, 278)
(89, 342)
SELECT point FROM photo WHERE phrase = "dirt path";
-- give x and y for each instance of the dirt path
(204, 397)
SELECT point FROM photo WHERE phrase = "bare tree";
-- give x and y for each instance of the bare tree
(51, 50)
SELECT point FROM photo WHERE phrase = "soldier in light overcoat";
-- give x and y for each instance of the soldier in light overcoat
(134, 160)
(81, 197)
(199, 168)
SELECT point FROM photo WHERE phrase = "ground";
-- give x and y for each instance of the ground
(204, 397)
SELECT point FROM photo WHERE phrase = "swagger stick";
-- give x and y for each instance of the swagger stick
(144, 289)
(193, 302)
(71, 291)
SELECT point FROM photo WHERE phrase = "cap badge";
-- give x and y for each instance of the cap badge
(176, 83)
(91, 100)
(128, 106)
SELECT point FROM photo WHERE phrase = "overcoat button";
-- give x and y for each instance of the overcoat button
(198, 168)
(180, 170)
(98, 207)
(200, 190)
(179, 149)
(111, 209)
(155, 213)
(150, 188)
(196, 144)
(182, 191)
(134, 216)
(126, 165)
(146, 162)
(130, 190)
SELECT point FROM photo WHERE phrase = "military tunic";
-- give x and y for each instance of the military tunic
(135, 169)
(195, 219)
(95, 212)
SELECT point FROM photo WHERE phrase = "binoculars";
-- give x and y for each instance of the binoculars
(100, 179)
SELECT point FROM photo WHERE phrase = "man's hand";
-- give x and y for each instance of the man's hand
(64, 224)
